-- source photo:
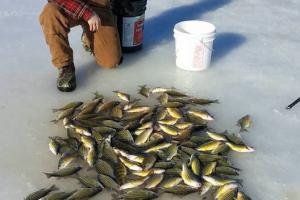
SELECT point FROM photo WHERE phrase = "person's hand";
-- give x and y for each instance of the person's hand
(94, 23)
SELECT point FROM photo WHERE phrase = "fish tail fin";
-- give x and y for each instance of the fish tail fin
(48, 175)
(55, 121)
(216, 101)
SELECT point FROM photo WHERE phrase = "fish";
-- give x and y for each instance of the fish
(139, 109)
(123, 96)
(183, 100)
(63, 114)
(88, 142)
(54, 146)
(198, 121)
(164, 164)
(64, 172)
(163, 98)
(180, 189)
(146, 125)
(133, 183)
(169, 130)
(159, 90)
(108, 182)
(173, 104)
(149, 161)
(131, 165)
(183, 134)
(128, 148)
(206, 187)
(104, 130)
(202, 114)
(175, 93)
(175, 113)
(170, 152)
(161, 113)
(84, 193)
(153, 181)
(226, 192)
(97, 136)
(137, 194)
(222, 149)
(108, 153)
(200, 139)
(245, 123)
(71, 133)
(125, 136)
(144, 91)
(74, 104)
(131, 104)
(66, 160)
(158, 147)
(183, 125)
(60, 195)
(40, 193)
(81, 130)
(189, 178)
(144, 136)
(146, 118)
(240, 148)
(242, 196)
(117, 112)
(205, 157)
(226, 170)
(89, 182)
(121, 172)
(112, 124)
(89, 107)
(103, 167)
(182, 157)
(217, 181)
(173, 171)
(203, 101)
(170, 182)
(133, 116)
(91, 157)
(171, 121)
(209, 146)
(195, 165)
(234, 138)
(217, 136)
(106, 106)
(148, 172)
(209, 168)
(132, 157)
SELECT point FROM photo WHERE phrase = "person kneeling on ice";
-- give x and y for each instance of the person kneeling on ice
(100, 35)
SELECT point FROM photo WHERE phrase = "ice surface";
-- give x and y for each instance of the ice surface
(255, 70)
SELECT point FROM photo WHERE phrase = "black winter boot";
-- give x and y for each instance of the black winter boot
(66, 81)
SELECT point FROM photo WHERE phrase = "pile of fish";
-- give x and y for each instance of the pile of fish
(140, 151)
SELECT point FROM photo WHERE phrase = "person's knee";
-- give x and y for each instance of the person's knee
(50, 12)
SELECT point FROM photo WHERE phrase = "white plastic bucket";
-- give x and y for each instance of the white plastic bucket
(194, 44)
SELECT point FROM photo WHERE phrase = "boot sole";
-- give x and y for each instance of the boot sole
(66, 89)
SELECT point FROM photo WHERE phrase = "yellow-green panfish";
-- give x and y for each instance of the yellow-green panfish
(245, 123)
(40, 193)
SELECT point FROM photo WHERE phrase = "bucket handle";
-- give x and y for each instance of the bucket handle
(211, 49)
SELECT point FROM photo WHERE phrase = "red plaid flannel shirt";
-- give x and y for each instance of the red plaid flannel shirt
(76, 8)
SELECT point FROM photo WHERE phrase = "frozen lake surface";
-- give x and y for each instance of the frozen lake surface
(255, 71)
